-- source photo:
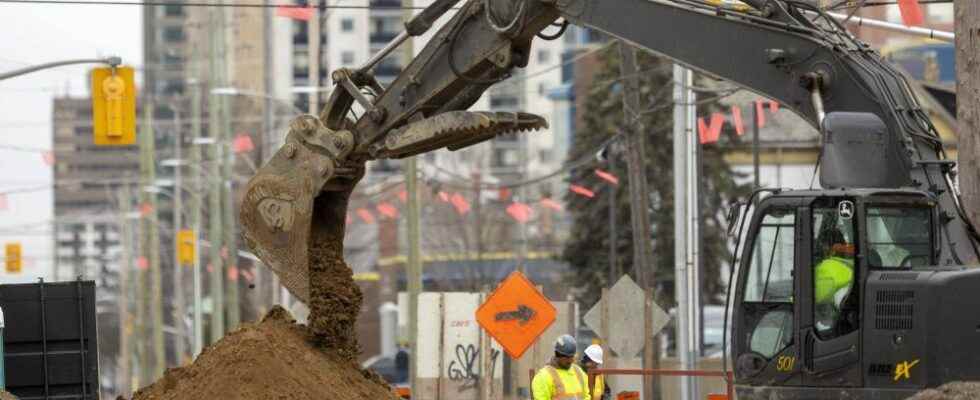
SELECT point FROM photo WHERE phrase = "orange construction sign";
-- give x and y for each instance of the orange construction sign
(515, 314)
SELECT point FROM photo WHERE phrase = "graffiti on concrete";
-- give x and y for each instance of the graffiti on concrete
(466, 367)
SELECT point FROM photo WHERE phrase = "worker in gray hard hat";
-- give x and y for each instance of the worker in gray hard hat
(561, 379)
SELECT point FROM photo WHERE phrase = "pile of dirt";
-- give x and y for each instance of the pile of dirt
(273, 359)
(5, 395)
(951, 391)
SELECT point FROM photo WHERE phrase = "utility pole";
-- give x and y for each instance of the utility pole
(613, 234)
(195, 206)
(180, 308)
(264, 275)
(755, 146)
(125, 318)
(150, 245)
(643, 268)
(414, 263)
(682, 96)
(968, 103)
(231, 237)
(214, 197)
(313, 33)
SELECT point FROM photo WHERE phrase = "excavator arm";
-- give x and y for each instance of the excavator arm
(786, 50)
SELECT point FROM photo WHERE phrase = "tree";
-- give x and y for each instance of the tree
(587, 247)
(968, 103)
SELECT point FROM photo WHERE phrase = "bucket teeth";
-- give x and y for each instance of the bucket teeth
(455, 130)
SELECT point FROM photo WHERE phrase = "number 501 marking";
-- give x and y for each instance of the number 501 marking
(785, 363)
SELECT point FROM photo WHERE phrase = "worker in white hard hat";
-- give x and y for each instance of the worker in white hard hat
(592, 359)
(561, 379)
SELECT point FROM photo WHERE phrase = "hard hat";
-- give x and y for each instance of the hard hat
(594, 352)
(565, 345)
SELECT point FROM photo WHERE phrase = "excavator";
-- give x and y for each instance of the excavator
(901, 317)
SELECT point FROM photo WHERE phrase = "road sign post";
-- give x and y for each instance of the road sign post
(515, 314)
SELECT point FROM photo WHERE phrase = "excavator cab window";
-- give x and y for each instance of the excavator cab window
(834, 272)
(899, 236)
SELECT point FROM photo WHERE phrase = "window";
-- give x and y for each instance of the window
(347, 25)
(347, 58)
(770, 276)
(899, 237)
(173, 10)
(173, 34)
(833, 265)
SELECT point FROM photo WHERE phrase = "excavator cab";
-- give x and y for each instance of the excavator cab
(814, 310)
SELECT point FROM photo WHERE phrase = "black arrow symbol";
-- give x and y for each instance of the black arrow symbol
(522, 314)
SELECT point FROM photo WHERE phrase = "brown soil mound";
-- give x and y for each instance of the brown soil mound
(951, 391)
(274, 359)
(5, 395)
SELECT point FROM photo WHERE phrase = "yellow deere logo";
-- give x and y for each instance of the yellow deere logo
(903, 368)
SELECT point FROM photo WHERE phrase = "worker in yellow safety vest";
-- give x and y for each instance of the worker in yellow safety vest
(833, 278)
(561, 379)
(592, 359)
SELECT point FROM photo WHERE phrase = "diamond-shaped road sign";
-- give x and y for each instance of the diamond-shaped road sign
(625, 301)
(515, 314)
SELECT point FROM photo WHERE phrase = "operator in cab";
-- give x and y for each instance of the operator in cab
(833, 278)
(592, 359)
(561, 379)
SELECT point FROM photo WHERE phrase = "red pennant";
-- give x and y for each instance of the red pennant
(297, 13)
(210, 268)
(248, 275)
(582, 191)
(911, 12)
(3, 202)
(773, 106)
(503, 193)
(242, 144)
(710, 134)
(146, 209)
(760, 115)
(403, 196)
(232, 273)
(444, 196)
(365, 215)
(549, 203)
(607, 176)
(48, 157)
(520, 212)
(142, 263)
(737, 120)
(387, 210)
(462, 206)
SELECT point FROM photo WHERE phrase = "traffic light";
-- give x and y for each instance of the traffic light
(113, 106)
(186, 246)
(13, 260)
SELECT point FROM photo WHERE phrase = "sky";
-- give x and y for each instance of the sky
(32, 34)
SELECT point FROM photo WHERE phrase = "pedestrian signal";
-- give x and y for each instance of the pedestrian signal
(113, 106)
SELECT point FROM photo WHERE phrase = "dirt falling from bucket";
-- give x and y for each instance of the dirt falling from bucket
(335, 300)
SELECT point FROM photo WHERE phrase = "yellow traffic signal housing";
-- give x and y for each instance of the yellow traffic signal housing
(113, 106)
(186, 246)
(13, 259)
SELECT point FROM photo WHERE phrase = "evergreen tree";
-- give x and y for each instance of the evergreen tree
(587, 248)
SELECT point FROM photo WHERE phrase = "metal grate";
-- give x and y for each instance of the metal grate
(894, 309)
(880, 369)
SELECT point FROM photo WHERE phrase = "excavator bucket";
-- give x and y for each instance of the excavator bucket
(454, 130)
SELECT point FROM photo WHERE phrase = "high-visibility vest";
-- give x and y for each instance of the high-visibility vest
(598, 387)
(831, 275)
(564, 386)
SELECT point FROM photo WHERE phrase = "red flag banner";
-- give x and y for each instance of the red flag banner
(48, 157)
(710, 133)
(773, 106)
(911, 12)
(462, 206)
(242, 144)
(146, 209)
(737, 120)
(295, 12)
(365, 215)
(387, 210)
(549, 203)
(760, 115)
(403, 196)
(232, 273)
(142, 263)
(582, 191)
(520, 212)
(607, 176)
(444, 197)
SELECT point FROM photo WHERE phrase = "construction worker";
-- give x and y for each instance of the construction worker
(592, 359)
(561, 379)
(833, 278)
